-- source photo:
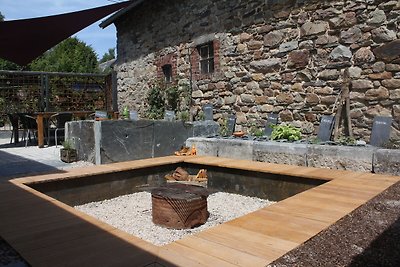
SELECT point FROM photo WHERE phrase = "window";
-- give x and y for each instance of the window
(167, 70)
(206, 53)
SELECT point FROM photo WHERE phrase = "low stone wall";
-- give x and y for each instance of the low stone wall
(364, 159)
(122, 140)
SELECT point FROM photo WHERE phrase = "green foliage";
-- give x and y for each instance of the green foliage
(125, 113)
(67, 144)
(346, 140)
(1, 17)
(71, 55)
(162, 97)
(288, 132)
(200, 116)
(255, 130)
(155, 101)
(184, 115)
(108, 55)
(223, 127)
(172, 98)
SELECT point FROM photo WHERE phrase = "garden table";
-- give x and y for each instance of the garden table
(40, 116)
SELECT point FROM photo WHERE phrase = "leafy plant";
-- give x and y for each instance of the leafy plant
(155, 100)
(200, 116)
(125, 113)
(255, 130)
(67, 144)
(223, 127)
(288, 132)
(172, 95)
(346, 140)
(184, 115)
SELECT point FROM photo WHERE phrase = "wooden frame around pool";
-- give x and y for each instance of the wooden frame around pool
(47, 232)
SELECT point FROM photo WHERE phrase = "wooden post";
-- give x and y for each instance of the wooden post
(39, 121)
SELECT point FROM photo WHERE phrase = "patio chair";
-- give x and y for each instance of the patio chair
(29, 126)
(272, 120)
(14, 123)
(325, 128)
(380, 133)
(58, 120)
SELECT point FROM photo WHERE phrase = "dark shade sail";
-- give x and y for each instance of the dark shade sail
(21, 41)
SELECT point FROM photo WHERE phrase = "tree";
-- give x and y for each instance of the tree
(108, 55)
(5, 64)
(71, 55)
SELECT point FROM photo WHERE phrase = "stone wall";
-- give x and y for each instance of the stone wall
(111, 141)
(286, 57)
(353, 158)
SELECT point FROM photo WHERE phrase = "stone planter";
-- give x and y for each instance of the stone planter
(68, 155)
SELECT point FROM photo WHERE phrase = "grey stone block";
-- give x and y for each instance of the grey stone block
(281, 153)
(204, 146)
(204, 128)
(235, 149)
(124, 140)
(169, 137)
(387, 161)
(82, 136)
(340, 157)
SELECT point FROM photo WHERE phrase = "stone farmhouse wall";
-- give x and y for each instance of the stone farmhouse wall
(284, 57)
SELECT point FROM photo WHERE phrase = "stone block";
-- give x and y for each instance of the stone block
(235, 149)
(204, 146)
(81, 133)
(387, 161)
(280, 153)
(340, 157)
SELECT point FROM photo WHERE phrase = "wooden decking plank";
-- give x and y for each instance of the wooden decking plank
(231, 255)
(101, 249)
(272, 223)
(248, 241)
(203, 258)
(329, 214)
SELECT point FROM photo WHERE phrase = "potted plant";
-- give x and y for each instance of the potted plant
(68, 153)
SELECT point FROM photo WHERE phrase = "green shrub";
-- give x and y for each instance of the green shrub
(288, 132)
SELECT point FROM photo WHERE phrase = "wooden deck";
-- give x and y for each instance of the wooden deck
(47, 232)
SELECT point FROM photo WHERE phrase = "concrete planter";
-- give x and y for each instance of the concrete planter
(68, 155)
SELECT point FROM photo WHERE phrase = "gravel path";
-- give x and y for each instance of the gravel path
(132, 214)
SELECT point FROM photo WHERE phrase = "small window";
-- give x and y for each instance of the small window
(167, 70)
(206, 53)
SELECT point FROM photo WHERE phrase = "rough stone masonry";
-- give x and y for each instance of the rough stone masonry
(285, 57)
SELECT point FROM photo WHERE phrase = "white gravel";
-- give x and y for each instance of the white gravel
(132, 214)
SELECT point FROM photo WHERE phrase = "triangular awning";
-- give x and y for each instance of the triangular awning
(21, 41)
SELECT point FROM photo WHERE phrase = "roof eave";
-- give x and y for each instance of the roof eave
(115, 16)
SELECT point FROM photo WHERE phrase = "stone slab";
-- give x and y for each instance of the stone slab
(387, 161)
(281, 153)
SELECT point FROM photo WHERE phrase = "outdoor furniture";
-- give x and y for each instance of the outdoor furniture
(29, 126)
(380, 133)
(272, 120)
(15, 131)
(59, 120)
(40, 116)
(325, 128)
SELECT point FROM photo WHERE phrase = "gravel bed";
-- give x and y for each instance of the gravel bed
(132, 214)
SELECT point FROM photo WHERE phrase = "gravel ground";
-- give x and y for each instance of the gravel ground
(132, 214)
(369, 236)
